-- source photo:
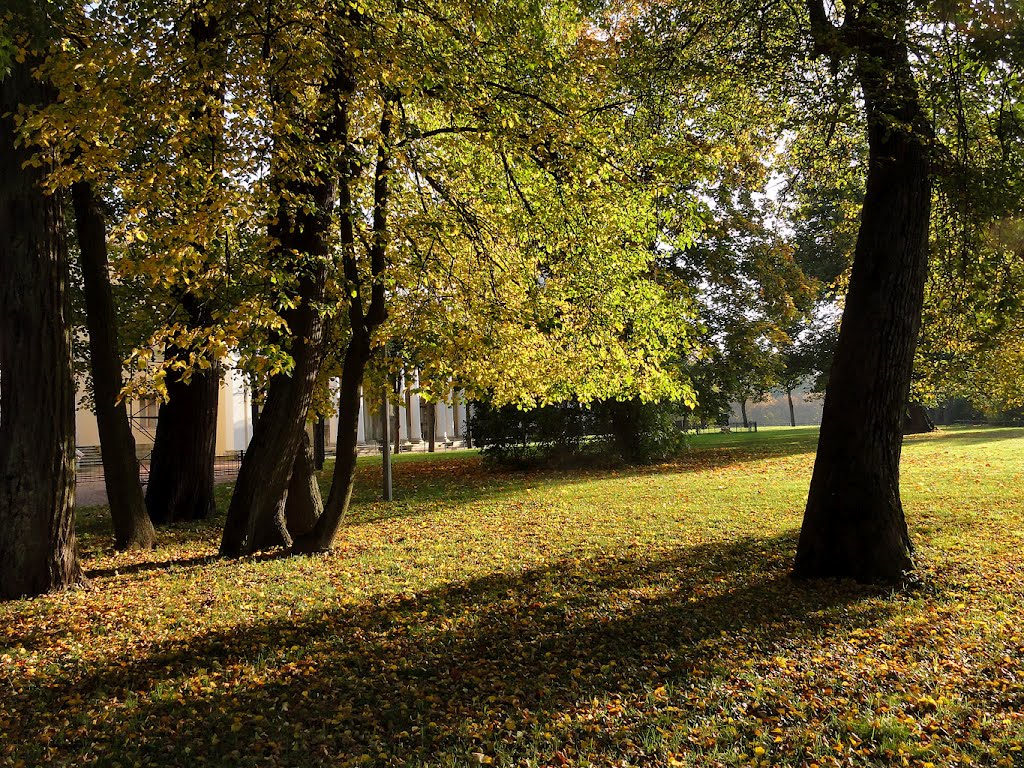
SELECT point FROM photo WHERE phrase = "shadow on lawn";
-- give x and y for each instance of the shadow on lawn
(497, 664)
(965, 437)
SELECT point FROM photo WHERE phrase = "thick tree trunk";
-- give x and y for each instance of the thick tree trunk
(792, 412)
(916, 420)
(304, 505)
(256, 517)
(625, 416)
(38, 550)
(854, 525)
(181, 472)
(743, 412)
(132, 527)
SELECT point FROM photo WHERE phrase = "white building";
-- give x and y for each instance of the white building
(235, 421)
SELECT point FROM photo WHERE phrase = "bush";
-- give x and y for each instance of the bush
(571, 434)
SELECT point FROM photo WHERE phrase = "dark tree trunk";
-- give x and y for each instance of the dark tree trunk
(181, 470)
(357, 354)
(132, 527)
(305, 504)
(854, 525)
(792, 412)
(256, 517)
(625, 417)
(916, 420)
(321, 536)
(743, 412)
(38, 549)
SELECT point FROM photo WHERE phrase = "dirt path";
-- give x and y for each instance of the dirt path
(91, 491)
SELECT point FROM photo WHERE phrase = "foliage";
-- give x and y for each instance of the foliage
(583, 618)
(521, 208)
(574, 434)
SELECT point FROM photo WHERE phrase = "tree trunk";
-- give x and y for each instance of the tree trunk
(792, 413)
(256, 517)
(743, 412)
(304, 505)
(181, 471)
(132, 527)
(321, 537)
(362, 326)
(854, 525)
(916, 420)
(38, 549)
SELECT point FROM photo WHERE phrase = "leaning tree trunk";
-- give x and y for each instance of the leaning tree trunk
(38, 550)
(304, 505)
(132, 527)
(256, 518)
(792, 411)
(854, 525)
(321, 536)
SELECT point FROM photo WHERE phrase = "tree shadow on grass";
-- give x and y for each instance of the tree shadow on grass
(508, 664)
(968, 437)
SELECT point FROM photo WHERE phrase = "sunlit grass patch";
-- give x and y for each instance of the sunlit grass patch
(637, 617)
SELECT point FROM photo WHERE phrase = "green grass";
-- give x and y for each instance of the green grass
(639, 617)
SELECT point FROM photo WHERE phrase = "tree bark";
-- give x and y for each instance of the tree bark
(132, 527)
(304, 505)
(743, 412)
(38, 549)
(792, 412)
(181, 471)
(321, 536)
(854, 526)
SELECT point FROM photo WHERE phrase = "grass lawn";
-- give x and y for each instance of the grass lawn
(548, 619)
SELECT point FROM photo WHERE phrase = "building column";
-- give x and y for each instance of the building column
(401, 400)
(360, 429)
(412, 403)
(441, 423)
(462, 414)
(456, 422)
